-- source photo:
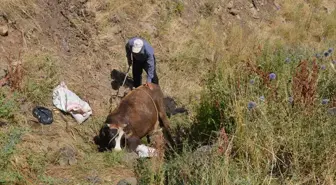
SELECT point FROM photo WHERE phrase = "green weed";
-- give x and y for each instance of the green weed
(113, 158)
(8, 142)
(266, 136)
(41, 77)
(8, 106)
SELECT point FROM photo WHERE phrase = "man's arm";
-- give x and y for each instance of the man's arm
(150, 63)
(128, 53)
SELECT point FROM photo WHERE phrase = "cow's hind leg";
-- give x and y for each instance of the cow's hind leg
(164, 122)
(148, 139)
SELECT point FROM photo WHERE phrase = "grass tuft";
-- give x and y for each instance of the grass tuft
(41, 77)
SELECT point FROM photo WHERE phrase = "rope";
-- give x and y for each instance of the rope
(157, 111)
(114, 137)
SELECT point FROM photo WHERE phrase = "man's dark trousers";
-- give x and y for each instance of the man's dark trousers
(137, 68)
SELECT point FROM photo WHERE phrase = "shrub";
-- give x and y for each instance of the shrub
(8, 106)
(41, 77)
(279, 130)
(8, 142)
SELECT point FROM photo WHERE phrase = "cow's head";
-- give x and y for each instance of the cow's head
(112, 137)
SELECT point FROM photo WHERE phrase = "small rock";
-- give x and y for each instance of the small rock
(128, 181)
(217, 10)
(72, 161)
(3, 73)
(4, 30)
(332, 111)
(277, 6)
(94, 179)
(254, 13)
(329, 8)
(65, 45)
(89, 13)
(230, 5)
(62, 162)
(234, 11)
(107, 178)
(205, 148)
(67, 156)
(115, 19)
(102, 6)
(72, 8)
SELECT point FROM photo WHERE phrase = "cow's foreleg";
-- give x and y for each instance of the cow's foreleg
(132, 143)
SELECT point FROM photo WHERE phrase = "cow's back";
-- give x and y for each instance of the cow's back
(140, 111)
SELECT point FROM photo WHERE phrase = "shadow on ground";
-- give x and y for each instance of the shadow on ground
(118, 78)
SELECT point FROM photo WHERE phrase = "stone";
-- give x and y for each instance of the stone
(230, 5)
(115, 19)
(67, 156)
(128, 181)
(94, 179)
(332, 111)
(254, 13)
(65, 45)
(3, 73)
(204, 149)
(217, 10)
(4, 30)
(234, 11)
(329, 8)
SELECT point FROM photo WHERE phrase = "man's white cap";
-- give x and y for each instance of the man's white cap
(138, 44)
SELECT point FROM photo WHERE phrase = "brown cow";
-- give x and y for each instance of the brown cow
(140, 113)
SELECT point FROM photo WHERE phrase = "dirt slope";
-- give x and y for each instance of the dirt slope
(86, 40)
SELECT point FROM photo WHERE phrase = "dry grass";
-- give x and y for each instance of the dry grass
(19, 11)
(305, 22)
(188, 49)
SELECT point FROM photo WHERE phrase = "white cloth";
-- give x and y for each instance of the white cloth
(67, 101)
(145, 151)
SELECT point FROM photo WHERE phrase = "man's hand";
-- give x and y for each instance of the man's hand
(149, 85)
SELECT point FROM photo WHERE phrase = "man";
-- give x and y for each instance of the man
(140, 54)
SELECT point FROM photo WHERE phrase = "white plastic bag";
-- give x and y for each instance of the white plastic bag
(145, 151)
(67, 101)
